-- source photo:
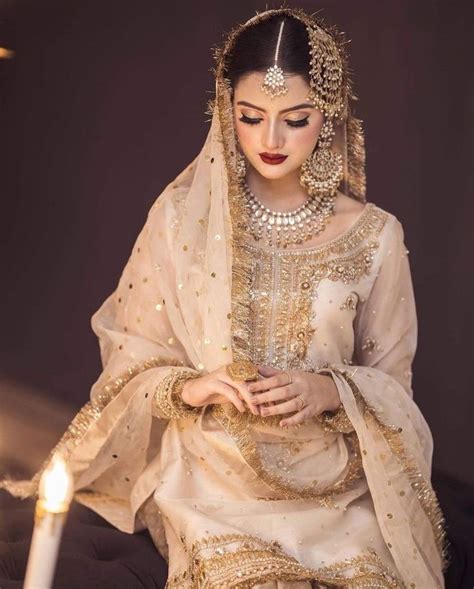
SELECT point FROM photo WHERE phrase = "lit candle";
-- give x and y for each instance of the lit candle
(55, 494)
(6, 53)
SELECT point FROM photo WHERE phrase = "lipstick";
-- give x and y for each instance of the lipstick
(272, 158)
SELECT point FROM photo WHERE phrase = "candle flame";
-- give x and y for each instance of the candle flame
(6, 53)
(56, 485)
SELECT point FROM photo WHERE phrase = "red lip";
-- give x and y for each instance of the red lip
(273, 158)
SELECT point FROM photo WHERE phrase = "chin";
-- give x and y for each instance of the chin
(273, 172)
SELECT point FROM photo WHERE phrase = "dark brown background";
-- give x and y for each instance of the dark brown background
(104, 104)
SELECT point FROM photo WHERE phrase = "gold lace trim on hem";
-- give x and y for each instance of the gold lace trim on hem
(241, 561)
(237, 426)
(422, 488)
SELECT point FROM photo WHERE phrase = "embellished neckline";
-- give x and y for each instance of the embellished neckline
(370, 213)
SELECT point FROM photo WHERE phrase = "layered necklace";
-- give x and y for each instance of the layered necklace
(294, 227)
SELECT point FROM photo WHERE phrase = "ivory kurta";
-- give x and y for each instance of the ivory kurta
(234, 490)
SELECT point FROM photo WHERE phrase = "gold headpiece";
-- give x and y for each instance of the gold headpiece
(326, 72)
(329, 81)
(328, 92)
(274, 82)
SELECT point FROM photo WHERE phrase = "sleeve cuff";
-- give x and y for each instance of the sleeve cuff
(168, 401)
(334, 421)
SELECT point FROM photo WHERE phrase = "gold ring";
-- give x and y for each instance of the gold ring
(242, 371)
(301, 402)
(290, 380)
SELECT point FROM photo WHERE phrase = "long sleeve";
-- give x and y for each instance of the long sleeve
(386, 323)
(135, 332)
(385, 327)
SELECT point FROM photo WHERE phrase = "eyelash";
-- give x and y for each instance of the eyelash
(250, 121)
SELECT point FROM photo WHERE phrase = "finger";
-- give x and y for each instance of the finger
(280, 379)
(242, 388)
(228, 391)
(285, 407)
(278, 394)
(297, 418)
(268, 370)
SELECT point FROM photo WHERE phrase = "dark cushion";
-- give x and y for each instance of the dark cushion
(457, 502)
(93, 554)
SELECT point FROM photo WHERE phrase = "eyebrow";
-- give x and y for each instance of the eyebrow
(297, 107)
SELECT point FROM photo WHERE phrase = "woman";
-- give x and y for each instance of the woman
(255, 409)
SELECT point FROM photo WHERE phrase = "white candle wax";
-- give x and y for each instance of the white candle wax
(55, 494)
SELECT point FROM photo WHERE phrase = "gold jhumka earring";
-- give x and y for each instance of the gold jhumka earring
(322, 172)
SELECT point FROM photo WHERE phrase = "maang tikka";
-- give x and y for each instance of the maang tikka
(274, 82)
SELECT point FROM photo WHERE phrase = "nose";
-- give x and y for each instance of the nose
(272, 138)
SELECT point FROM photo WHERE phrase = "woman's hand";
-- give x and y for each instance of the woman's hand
(318, 392)
(217, 387)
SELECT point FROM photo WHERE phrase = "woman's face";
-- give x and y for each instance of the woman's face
(286, 125)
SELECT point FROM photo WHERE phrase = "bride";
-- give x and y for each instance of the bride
(255, 408)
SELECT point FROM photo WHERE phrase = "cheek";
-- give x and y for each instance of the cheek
(245, 134)
(305, 139)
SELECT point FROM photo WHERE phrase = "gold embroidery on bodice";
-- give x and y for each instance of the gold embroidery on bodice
(283, 285)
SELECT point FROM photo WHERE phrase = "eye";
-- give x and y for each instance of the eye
(299, 123)
(249, 120)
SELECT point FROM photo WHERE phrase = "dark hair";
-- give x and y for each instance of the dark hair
(254, 49)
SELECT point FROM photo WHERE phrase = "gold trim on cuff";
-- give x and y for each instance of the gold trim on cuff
(336, 421)
(168, 395)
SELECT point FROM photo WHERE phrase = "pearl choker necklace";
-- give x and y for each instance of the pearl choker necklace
(294, 227)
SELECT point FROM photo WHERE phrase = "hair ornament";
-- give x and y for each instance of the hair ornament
(274, 82)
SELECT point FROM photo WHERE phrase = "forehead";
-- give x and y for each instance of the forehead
(248, 88)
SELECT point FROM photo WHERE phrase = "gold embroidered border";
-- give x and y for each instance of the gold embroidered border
(261, 292)
(241, 561)
(423, 490)
(82, 421)
(241, 271)
(336, 421)
(237, 424)
(168, 399)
